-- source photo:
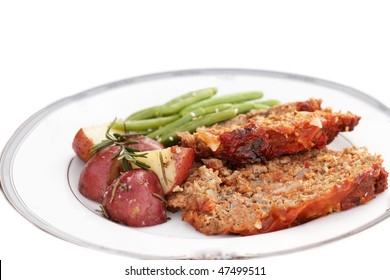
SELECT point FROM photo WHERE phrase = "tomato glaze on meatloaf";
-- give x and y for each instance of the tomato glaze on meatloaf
(259, 136)
(281, 193)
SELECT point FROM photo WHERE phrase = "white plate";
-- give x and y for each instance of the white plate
(39, 171)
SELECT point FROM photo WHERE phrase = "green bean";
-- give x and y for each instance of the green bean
(173, 106)
(271, 102)
(144, 114)
(187, 95)
(243, 108)
(188, 118)
(171, 137)
(193, 97)
(230, 98)
(216, 108)
(144, 125)
(177, 123)
(260, 105)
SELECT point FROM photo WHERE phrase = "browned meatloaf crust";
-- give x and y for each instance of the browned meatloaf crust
(284, 192)
(256, 137)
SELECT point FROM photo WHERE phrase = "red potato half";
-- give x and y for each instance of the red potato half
(98, 173)
(135, 199)
(101, 169)
(88, 137)
(145, 143)
(171, 165)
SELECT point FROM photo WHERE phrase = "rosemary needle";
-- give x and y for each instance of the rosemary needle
(126, 153)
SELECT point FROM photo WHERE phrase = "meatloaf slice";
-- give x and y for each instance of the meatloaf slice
(284, 192)
(285, 129)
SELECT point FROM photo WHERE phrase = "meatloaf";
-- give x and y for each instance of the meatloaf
(281, 193)
(263, 135)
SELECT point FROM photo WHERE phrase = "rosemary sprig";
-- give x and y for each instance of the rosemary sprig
(127, 155)
(103, 211)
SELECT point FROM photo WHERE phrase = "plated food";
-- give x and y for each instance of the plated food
(72, 217)
(283, 192)
(230, 164)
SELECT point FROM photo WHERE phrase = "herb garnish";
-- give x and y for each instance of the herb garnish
(127, 155)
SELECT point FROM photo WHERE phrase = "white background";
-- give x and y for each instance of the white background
(52, 49)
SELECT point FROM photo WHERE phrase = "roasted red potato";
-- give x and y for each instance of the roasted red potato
(99, 172)
(135, 199)
(87, 137)
(145, 143)
(171, 165)
(183, 158)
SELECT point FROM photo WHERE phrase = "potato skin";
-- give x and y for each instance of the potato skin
(145, 143)
(183, 158)
(98, 173)
(82, 145)
(132, 199)
(86, 138)
(100, 170)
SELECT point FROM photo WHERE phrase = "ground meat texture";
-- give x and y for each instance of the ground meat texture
(284, 192)
(309, 105)
(257, 137)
